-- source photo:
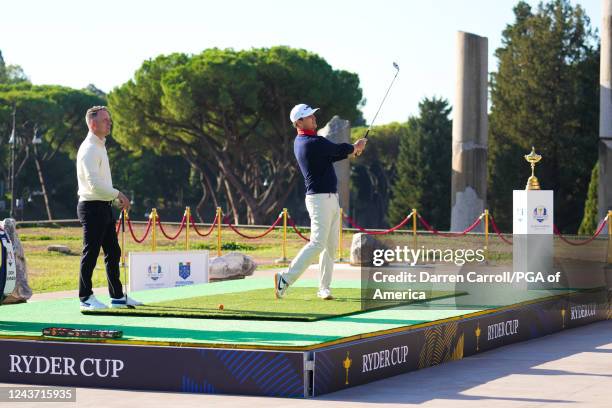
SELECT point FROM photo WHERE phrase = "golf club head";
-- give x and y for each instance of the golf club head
(396, 66)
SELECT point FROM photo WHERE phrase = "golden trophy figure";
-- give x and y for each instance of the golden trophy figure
(533, 158)
(347, 364)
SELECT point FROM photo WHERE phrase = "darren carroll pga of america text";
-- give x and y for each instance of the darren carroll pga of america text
(469, 277)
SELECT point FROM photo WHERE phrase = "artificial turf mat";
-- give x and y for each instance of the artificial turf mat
(299, 304)
(28, 319)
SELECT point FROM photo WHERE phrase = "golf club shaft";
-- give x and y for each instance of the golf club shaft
(381, 104)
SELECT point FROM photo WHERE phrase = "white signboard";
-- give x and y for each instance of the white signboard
(167, 269)
(533, 212)
(533, 220)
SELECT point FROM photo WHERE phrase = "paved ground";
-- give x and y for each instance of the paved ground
(568, 369)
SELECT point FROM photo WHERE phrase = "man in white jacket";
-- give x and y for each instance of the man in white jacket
(96, 195)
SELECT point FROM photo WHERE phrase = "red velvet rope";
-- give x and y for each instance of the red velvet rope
(212, 227)
(398, 226)
(556, 232)
(297, 231)
(599, 229)
(431, 229)
(266, 232)
(140, 241)
(161, 228)
(497, 231)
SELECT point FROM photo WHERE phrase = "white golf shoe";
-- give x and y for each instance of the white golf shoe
(280, 285)
(92, 304)
(325, 294)
(124, 302)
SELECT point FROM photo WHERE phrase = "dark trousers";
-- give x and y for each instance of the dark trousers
(98, 223)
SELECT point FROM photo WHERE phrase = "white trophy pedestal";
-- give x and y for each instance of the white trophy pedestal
(532, 248)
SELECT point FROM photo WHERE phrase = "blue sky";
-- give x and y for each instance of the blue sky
(75, 43)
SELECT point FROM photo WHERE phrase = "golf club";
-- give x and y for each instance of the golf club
(383, 100)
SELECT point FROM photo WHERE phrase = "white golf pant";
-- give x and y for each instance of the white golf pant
(324, 211)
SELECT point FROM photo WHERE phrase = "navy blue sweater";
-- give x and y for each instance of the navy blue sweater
(315, 156)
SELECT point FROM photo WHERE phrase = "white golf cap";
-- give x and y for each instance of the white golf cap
(301, 111)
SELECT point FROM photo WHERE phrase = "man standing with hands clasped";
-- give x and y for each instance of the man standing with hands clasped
(316, 155)
(96, 195)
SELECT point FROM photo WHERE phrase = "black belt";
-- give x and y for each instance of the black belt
(96, 202)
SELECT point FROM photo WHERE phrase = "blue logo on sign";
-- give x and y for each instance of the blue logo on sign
(184, 269)
(154, 271)
(540, 213)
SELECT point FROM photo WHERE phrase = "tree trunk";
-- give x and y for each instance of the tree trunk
(231, 201)
(206, 187)
(42, 183)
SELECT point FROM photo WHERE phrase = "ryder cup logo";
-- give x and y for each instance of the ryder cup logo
(154, 271)
(184, 269)
(540, 213)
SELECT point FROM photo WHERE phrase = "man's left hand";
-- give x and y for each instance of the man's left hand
(124, 202)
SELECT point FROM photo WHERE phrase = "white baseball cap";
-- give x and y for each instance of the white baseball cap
(301, 111)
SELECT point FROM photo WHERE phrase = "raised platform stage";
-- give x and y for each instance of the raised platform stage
(271, 358)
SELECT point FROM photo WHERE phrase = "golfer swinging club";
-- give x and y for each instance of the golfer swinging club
(315, 156)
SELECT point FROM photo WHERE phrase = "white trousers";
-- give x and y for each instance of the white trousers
(324, 211)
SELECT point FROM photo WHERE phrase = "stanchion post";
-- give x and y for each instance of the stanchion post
(284, 233)
(187, 222)
(414, 227)
(219, 221)
(283, 259)
(486, 247)
(123, 217)
(610, 236)
(153, 217)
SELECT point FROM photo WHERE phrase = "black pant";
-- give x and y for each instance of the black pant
(99, 231)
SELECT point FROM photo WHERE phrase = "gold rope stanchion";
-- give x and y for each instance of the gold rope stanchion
(153, 217)
(123, 265)
(283, 259)
(187, 222)
(219, 221)
(609, 220)
(486, 247)
(414, 227)
(609, 217)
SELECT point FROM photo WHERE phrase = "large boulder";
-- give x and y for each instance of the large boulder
(22, 290)
(231, 266)
(62, 249)
(362, 249)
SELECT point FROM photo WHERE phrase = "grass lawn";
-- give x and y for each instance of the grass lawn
(51, 271)
(300, 303)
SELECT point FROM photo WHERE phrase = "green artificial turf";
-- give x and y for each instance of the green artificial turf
(299, 304)
(28, 319)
